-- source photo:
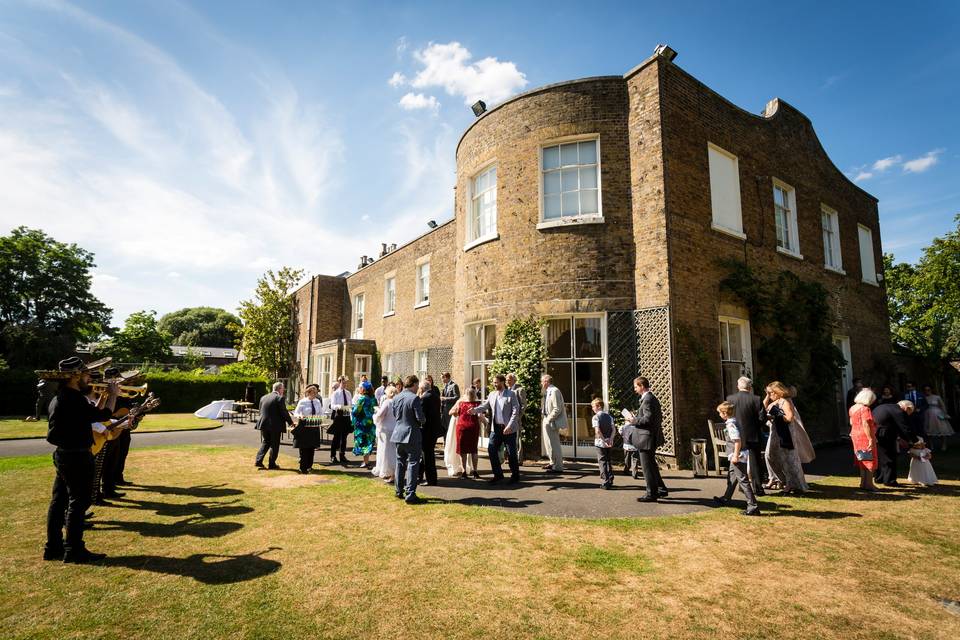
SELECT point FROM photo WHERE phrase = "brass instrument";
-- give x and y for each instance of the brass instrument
(125, 391)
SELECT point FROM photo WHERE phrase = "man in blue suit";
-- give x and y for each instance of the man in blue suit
(408, 437)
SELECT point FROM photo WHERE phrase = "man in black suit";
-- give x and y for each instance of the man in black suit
(892, 422)
(750, 415)
(449, 395)
(646, 437)
(432, 429)
(272, 424)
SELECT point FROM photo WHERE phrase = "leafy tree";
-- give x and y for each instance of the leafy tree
(924, 302)
(192, 359)
(201, 327)
(268, 332)
(522, 351)
(140, 340)
(244, 370)
(46, 305)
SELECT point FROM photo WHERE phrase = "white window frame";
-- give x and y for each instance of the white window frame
(388, 371)
(790, 224)
(744, 326)
(471, 360)
(359, 304)
(868, 276)
(362, 365)
(562, 221)
(846, 376)
(422, 363)
(473, 240)
(423, 297)
(832, 255)
(736, 232)
(325, 373)
(390, 294)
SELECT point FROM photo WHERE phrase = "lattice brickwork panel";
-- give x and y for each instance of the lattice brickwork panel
(439, 359)
(402, 363)
(655, 362)
(621, 359)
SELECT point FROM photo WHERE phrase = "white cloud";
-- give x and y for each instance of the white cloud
(885, 163)
(173, 274)
(402, 45)
(449, 66)
(862, 175)
(924, 162)
(413, 101)
(397, 79)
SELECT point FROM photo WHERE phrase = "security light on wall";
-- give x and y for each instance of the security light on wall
(479, 107)
(665, 51)
(432, 224)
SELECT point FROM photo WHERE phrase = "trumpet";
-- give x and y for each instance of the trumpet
(125, 391)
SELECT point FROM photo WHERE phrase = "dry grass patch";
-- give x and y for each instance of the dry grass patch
(206, 547)
(17, 427)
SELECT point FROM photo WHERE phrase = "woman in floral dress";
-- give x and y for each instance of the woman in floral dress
(364, 429)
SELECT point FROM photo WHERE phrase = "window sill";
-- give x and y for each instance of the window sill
(390, 313)
(789, 254)
(872, 283)
(570, 220)
(425, 303)
(835, 270)
(480, 241)
(740, 235)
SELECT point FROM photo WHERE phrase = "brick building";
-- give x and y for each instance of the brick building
(605, 206)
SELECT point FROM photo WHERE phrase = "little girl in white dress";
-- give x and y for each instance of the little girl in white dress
(921, 471)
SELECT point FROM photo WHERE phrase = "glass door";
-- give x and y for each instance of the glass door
(481, 341)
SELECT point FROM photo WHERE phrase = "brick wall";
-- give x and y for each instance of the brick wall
(782, 145)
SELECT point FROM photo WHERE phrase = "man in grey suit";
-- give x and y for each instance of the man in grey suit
(646, 437)
(554, 418)
(407, 435)
(273, 422)
(750, 415)
(504, 406)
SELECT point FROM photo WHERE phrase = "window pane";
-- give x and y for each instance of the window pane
(583, 423)
(558, 338)
(570, 204)
(588, 152)
(724, 341)
(489, 341)
(474, 346)
(736, 342)
(589, 381)
(560, 371)
(568, 154)
(476, 371)
(551, 206)
(588, 201)
(569, 181)
(587, 337)
(551, 157)
(588, 178)
(551, 182)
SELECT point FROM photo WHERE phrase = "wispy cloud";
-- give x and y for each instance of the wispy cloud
(885, 163)
(862, 175)
(831, 81)
(924, 162)
(413, 101)
(397, 79)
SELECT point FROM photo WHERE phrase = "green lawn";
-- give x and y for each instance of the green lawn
(13, 427)
(205, 547)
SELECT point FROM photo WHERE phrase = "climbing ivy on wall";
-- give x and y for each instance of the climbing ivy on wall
(521, 351)
(792, 323)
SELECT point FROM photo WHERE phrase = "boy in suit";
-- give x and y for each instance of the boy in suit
(738, 461)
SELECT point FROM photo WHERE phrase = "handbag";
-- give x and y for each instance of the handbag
(864, 455)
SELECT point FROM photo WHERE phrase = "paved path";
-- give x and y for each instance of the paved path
(575, 493)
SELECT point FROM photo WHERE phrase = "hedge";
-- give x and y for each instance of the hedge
(185, 392)
(18, 393)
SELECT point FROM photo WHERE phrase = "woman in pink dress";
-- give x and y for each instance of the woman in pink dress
(863, 434)
(467, 429)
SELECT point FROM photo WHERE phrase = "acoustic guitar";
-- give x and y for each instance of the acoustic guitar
(128, 421)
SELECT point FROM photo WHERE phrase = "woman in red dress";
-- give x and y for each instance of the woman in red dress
(863, 434)
(467, 429)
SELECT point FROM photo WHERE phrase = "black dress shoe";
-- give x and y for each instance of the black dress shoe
(100, 502)
(414, 499)
(114, 494)
(274, 467)
(495, 480)
(719, 501)
(647, 499)
(514, 480)
(398, 495)
(747, 512)
(53, 554)
(663, 493)
(82, 557)
(123, 481)
(759, 492)
(259, 465)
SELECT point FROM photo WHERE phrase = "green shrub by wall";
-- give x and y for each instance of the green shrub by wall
(185, 392)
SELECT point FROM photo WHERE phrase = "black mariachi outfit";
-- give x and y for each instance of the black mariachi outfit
(70, 417)
(307, 439)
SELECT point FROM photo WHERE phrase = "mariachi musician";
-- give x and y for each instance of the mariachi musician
(71, 416)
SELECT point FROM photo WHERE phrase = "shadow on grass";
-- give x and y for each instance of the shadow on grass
(837, 492)
(199, 491)
(195, 527)
(771, 509)
(204, 509)
(208, 568)
(505, 503)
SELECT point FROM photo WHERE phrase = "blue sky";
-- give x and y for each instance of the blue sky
(191, 146)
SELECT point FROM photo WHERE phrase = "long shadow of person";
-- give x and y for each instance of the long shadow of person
(206, 509)
(208, 568)
(194, 526)
(197, 491)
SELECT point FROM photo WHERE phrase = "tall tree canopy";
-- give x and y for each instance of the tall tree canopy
(924, 301)
(201, 327)
(268, 333)
(46, 305)
(140, 340)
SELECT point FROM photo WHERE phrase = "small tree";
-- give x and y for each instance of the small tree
(521, 351)
(201, 327)
(268, 330)
(140, 340)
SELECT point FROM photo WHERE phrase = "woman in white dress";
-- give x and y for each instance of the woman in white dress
(783, 460)
(385, 421)
(936, 422)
